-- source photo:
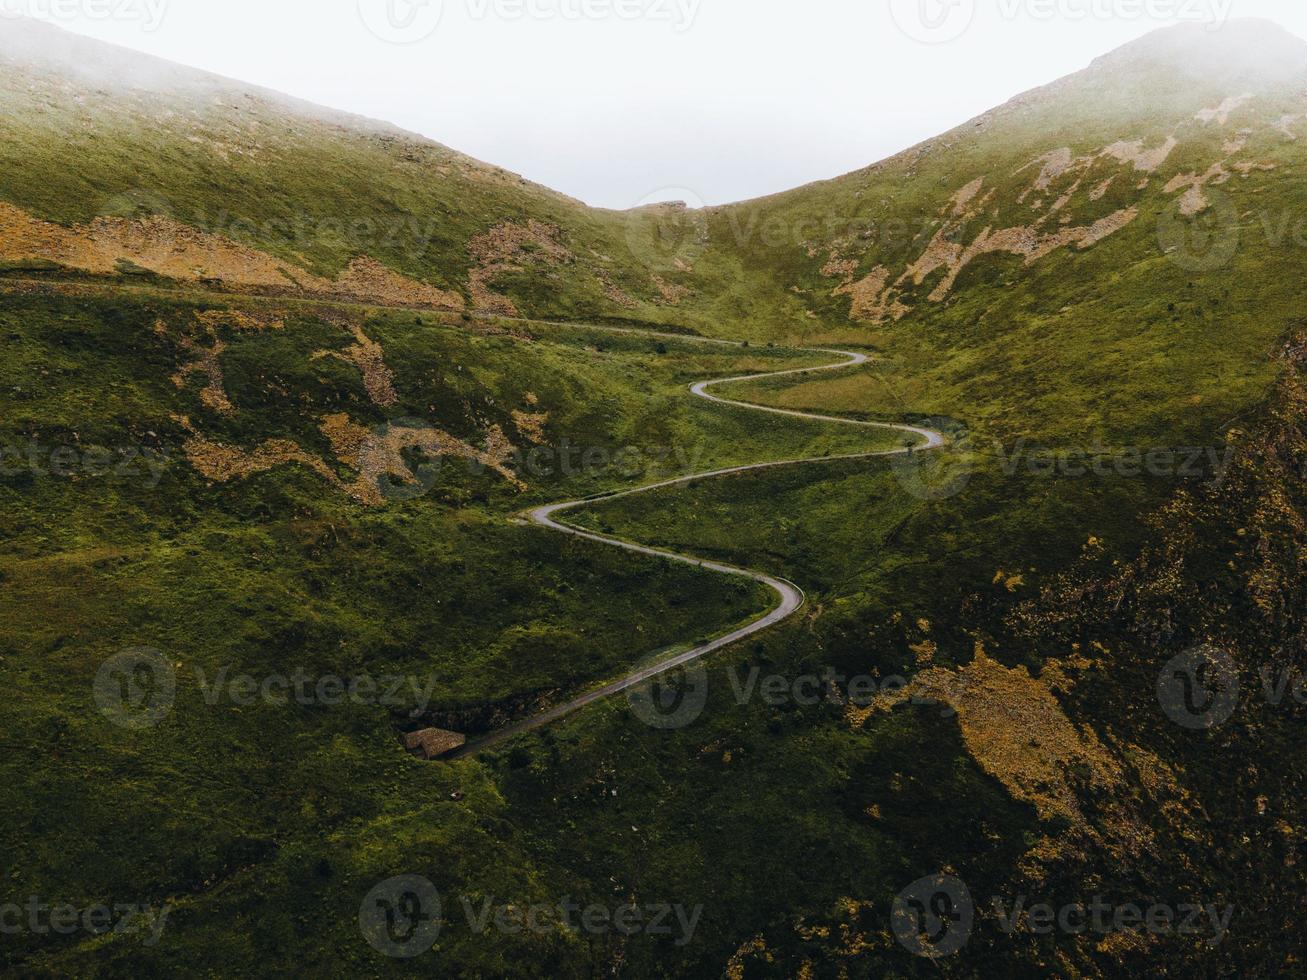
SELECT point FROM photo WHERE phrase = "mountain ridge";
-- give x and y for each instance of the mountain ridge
(1174, 44)
(289, 184)
(219, 467)
(1136, 51)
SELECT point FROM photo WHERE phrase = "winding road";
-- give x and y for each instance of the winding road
(791, 597)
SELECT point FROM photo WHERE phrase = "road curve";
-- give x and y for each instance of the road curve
(790, 596)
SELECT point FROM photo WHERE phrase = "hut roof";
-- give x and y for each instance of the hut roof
(431, 743)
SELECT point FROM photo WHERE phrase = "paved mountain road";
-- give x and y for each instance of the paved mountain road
(790, 596)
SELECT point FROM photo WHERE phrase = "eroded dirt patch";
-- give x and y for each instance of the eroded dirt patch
(1143, 160)
(1195, 199)
(167, 248)
(222, 463)
(872, 301)
(1023, 241)
(509, 248)
(1221, 114)
(377, 456)
(1062, 188)
(380, 457)
(671, 293)
(369, 278)
(1015, 728)
(531, 424)
(208, 360)
(365, 354)
(614, 293)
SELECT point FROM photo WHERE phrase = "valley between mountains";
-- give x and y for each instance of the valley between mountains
(791, 596)
(289, 394)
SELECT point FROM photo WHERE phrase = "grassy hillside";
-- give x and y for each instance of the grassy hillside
(219, 519)
(1110, 254)
(1146, 207)
(265, 825)
(202, 177)
(272, 400)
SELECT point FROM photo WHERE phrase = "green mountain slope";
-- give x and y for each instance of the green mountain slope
(264, 409)
(261, 191)
(1106, 256)
(1067, 190)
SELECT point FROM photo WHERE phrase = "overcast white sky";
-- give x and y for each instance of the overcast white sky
(618, 102)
